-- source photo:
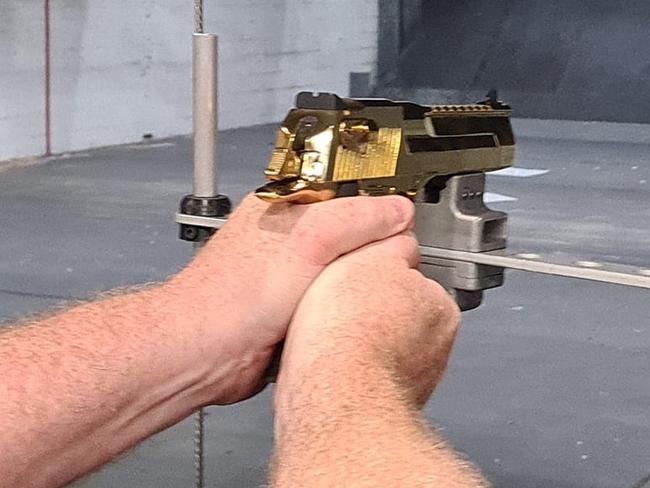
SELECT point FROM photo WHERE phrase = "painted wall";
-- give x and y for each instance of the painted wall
(121, 69)
(22, 126)
(583, 60)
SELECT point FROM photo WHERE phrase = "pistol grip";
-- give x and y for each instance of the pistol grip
(451, 214)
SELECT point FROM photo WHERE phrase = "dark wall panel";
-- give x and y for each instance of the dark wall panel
(587, 60)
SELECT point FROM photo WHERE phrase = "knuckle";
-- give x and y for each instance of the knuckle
(453, 315)
(313, 245)
(442, 305)
(412, 249)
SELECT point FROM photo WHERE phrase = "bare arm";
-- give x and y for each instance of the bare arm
(78, 388)
(368, 344)
(351, 425)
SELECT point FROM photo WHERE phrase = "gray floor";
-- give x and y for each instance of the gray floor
(548, 386)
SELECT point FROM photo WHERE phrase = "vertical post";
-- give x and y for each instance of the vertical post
(205, 113)
(205, 126)
(205, 200)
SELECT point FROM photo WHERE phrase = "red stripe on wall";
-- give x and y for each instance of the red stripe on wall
(48, 119)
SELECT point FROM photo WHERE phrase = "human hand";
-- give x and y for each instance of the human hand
(369, 309)
(241, 290)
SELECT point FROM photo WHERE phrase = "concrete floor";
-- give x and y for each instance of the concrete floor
(548, 386)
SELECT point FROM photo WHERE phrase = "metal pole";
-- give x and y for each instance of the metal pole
(205, 113)
(205, 129)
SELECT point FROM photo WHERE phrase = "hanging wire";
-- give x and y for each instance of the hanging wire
(199, 464)
(198, 16)
(199, 429)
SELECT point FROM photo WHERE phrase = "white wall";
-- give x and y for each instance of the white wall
(22, 122)
(283, 47)
(122, 68)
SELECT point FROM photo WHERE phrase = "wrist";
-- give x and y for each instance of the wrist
(340, 387)
(208, 340)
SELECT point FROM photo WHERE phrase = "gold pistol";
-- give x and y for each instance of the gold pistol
(330, 146)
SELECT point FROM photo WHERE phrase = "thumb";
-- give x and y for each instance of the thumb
(403, 246)
(339, 226)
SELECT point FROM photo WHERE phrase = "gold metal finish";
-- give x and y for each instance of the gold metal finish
(315, 157)
(296, 190)
(301, 196)
(377, 158)
(472, 108)
(378, 147)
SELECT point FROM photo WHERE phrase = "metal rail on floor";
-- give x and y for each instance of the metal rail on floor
(532, 262)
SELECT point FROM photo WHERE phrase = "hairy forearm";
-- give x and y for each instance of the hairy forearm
(348, 424)
(80, 387)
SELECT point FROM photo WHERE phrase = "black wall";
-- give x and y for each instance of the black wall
(585, 60)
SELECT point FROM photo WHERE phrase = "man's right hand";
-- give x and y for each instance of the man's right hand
(365, 349)
(373, 308)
